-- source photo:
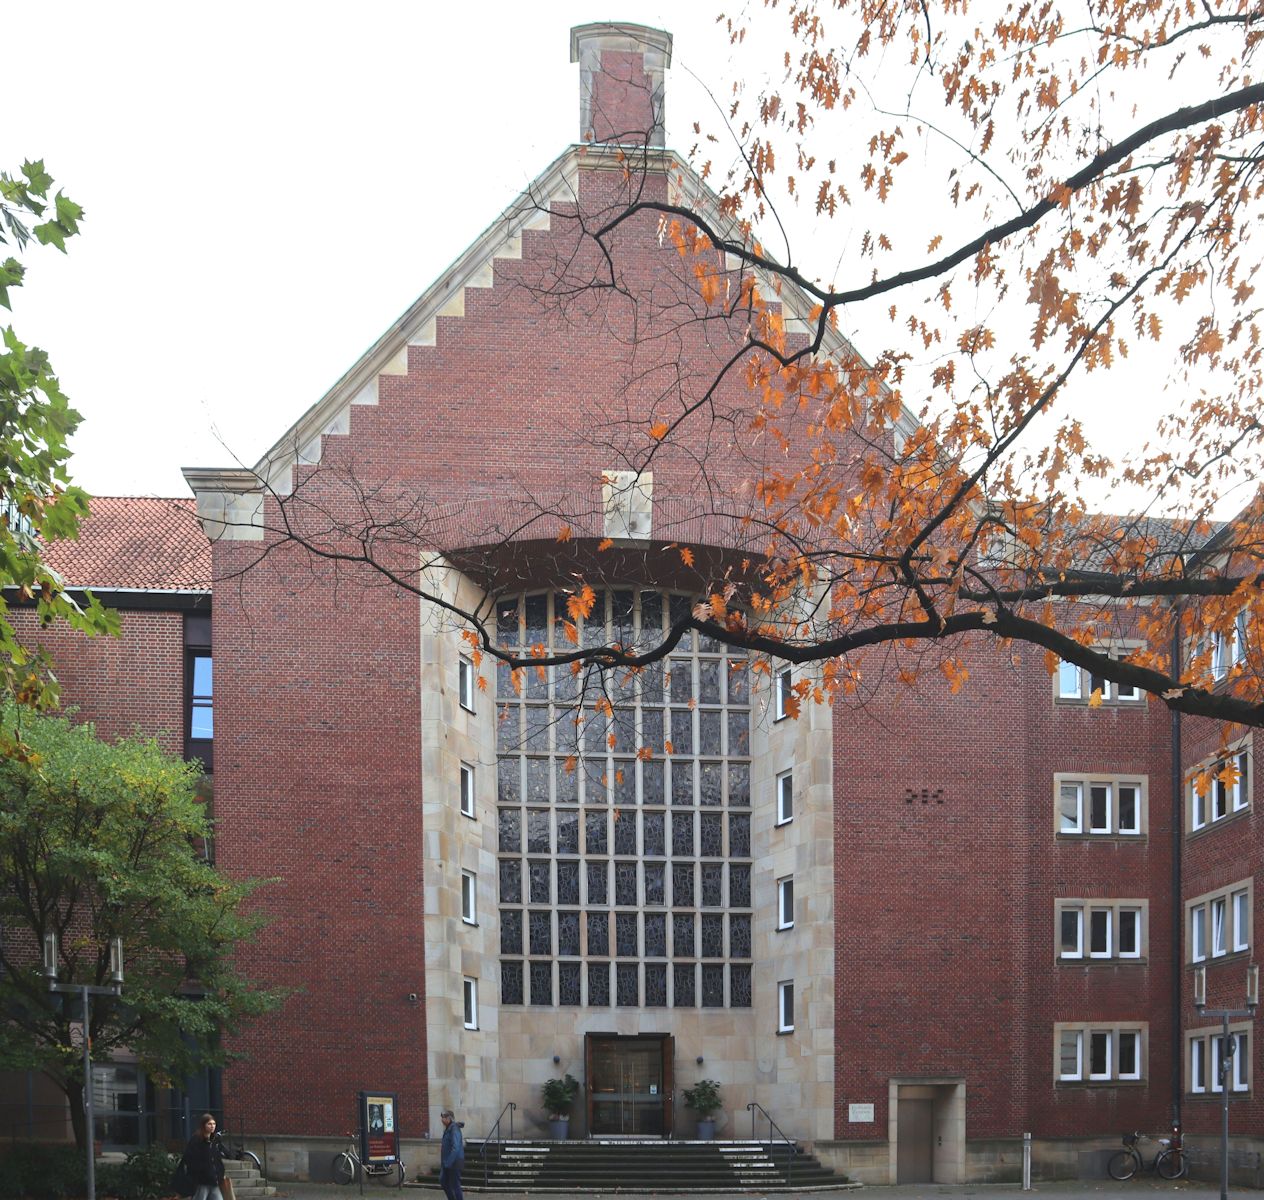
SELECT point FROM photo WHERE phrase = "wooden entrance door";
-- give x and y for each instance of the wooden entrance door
(629, 1085)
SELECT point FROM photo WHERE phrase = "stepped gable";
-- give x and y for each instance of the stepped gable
(136, 543)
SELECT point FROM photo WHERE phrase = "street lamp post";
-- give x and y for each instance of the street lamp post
(85, 991)
(1226, 1052)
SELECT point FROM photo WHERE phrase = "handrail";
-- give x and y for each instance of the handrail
(750, 1108)
(495, 1137)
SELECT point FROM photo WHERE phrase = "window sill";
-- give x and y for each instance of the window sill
(785, 1032)
(1117, 961)
(1230, 818)
(1217, 1096)
(783, 821)
(1076, 702)
(1218, 960)
(1102, 1083)
(1063, 836)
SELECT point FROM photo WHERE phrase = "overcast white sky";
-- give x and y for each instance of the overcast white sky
(268, 186)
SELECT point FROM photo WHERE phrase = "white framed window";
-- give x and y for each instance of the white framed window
(785, 797)
(1229, 651)
(1076, 685)
(469, 897)
(469, 994)
(1197, 1059)
(467, 789)
(1219, 923)
(1218, 789)
(465, 683)
(1096, 1053)
(1206, 1064)
(785, 1006)
(785, 902)
(1092, 806)
(783, 691)
(1100, 929)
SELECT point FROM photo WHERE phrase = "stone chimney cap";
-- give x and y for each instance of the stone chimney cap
(633, 37)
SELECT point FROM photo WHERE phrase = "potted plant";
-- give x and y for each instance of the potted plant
(559, 1095)
(704, 1099)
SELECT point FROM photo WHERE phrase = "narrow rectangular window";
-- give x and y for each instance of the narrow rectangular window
(1071, 808)
(1219, 656)
(1072, 932)
(1197, 1065)
(785, 903)
(1070, 1049)
(1219, 794)
(1241, 1059)
(1239, 640)
(469, 905)
(1069, 682)
(467, 789)
(1241, 921)
(1099, 1054)
(1129, 1054)
(1099, 808)
(202, 713)
(1099, 933)
(1127, 692)
(470, 991)
(1217, 1049)
(785, 1006)
(1129, 933)
(465, 683)
(1197, 933)
(783, 693)
(1129, 808)
(1219, 944)
(1197, 806)
(1240, 790)
(785, 797)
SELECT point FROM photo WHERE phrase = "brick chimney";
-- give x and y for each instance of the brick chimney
(621, 82)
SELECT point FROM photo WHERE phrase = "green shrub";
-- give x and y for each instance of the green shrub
(38, 1171)
(144, 1176)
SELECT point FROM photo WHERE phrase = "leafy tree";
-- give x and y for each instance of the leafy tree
(37, 500)
(99, 841)
(1036, 197)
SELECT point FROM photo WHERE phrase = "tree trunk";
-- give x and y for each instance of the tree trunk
(74, 1097)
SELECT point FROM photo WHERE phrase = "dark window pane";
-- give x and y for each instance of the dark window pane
(679, 608)
(598, 934)
(1070, 931)
(568, 983)
(595, 622)
(655, 935)
(621, 617)
(651, 618)
(739, 885)
(739, 935)
(682, 833)
(538, 723)
(510, 881)
(595, 832)
(682, 935)
(738, 681)
(681, 731)
(739, 733)
(683, 993)
(710, 783)
(655, 985)
(739, 986)
(739, 785)
(712, 935)
(680, 687)
(568, 832)
(712, 885)
(625, 883)
(712, 985)
(541, 926)
(537, 620)
(510, 824)
(655, 883)
(567, 934)
(682, 783)
(682, 885)
(597, 885)
(568, 882)
(624, 831)
(624, 782)
(627, 982)
(1099, 931)
(507, 622)
(652, 729)
(1099, 1053)
(653, 839)
(711, 832)
(508, 736)
(739, 835)
(565, 782)
(1100, 804)
(511, 931)
(652, 782)
(538, 841)
(511, 983)
(508, 784)
(709, 731)
(598, 984)
(538, 873)
(541, 983)
(626, 941)
(709, 681)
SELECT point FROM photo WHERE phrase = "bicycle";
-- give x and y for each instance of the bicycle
(1169, 1160)
(347, 1164)
(238, 1151)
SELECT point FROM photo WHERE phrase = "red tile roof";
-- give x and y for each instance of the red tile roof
(136, 542)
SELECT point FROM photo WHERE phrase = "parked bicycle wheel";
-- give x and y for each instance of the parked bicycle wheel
(251, 1157)
(1170, 1164)
(344, 1168)
(1124, 1164)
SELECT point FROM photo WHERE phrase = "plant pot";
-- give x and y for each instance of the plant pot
(706, 1129)
(559, 1128)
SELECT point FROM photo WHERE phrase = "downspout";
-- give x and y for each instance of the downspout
(1178, 907)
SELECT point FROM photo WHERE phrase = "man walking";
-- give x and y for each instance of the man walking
(451, 1157)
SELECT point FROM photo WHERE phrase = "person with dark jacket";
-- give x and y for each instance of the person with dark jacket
(203, 1157)
(451, 1157)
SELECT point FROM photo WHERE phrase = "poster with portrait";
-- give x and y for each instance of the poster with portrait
(379, 1132)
